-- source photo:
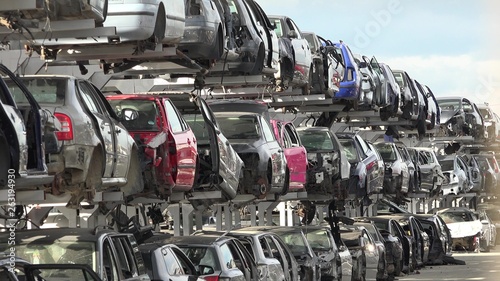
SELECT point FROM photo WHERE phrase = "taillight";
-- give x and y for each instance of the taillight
(66, 132)
(211, 278)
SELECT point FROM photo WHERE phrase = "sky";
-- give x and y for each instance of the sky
(452, 46)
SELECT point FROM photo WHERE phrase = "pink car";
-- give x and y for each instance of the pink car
(295, 154)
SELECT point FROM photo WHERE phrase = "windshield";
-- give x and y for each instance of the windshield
(319, 240)
(485, 113)
(62, 252)
(446, 165)
(198, 126)
(295, 242)
(493, 214)
(451, 105)
(147, 118)
(44, 90)
(387, 151)
(316, 140)
(451, 217)
(239, 127)
(484, 165)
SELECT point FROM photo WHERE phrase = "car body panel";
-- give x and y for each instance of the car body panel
(465, 228)
(324, 246)
(397, 176)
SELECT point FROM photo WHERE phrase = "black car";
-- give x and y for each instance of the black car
(439, 236)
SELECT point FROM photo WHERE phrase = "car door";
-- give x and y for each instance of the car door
(370, 249)
(276, 263)
(290, 266)
(303, 55)
(277, 155)
(131, 268)
(295, 155)
(474, 172)
(103, 126)
(121, 138)
(225, 160)
(426, 175)
(185, 156)
(267, 33)
(230, 268)
(460, 171)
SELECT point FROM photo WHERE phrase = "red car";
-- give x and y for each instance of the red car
(295, 154)
(167, 145)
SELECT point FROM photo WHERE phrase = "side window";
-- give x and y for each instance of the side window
(174, 118)
(293, 26)
(292, 133)
(274, 249)
(86, 94)
(183, 261)
(429, 157)
(285, 252)
(141, 269)
(109, 262)
(287, 142)
(227, 257)
(265, 247)
(266, 130)
(171, 263)
(125, 257)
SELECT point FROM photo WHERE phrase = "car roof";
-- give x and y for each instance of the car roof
(454, 209)
(57, 234)
(205, 240)
(326, 129)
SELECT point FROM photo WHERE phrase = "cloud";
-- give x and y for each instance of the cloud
(462, 75)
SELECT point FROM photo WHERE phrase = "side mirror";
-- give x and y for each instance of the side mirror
(128, 114)
(205, 269)
(362, 64)
(292, 34)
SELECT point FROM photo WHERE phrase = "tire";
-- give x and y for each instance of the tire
(286, 185)
(260, 61)
(135, 181)
(218, 50)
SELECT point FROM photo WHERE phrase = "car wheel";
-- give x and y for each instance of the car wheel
(286, 185)
(135, 181)
(259, 62)
(92, 184)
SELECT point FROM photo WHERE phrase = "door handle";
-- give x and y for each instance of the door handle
(227, 143)
(188, 141)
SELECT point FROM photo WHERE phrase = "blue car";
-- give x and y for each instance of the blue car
(350, 82)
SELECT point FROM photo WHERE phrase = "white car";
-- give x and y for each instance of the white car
(488, 239)
(295, 55)
(465, 228)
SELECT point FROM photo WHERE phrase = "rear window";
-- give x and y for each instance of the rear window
(202, 256)
(147, 114)
(451, 217)
(44, 90)
(350, 150)
(316, 140)
(387, 152)
(240, 127)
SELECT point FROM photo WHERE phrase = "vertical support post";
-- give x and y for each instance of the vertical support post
(228, 218)
(283, 214)
(218, 218)
(187, 219)
(198, 218)
(175, 212)
(253, 214)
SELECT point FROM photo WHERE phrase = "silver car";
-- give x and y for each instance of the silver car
(96, 150)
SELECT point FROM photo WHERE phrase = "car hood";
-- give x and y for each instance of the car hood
(464, 229)
(446, 115)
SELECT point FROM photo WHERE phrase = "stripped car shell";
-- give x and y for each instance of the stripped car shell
(461, 117)
(220, 167)
(465, 227)
(323, 244)
(167, 145)
(397, 177)
(328, 165)
(96, 152)
(246, 124)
